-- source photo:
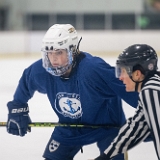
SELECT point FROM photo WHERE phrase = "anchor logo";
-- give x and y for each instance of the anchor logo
(72, 110)
(69, 105)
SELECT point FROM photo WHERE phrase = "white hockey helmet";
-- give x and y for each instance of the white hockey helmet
(59, 36)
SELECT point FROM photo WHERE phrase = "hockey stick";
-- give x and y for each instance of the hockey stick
(56, 124)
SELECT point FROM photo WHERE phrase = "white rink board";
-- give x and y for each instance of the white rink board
(31, 146)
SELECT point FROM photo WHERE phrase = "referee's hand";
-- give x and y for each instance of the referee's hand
(106, 157)
(101, 157)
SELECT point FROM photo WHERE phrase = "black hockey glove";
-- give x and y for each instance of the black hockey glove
(103, 157)
(149, 138)
(18, 119)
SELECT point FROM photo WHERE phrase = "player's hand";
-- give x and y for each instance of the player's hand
(18, 119)
(101, 157)
(18, 125)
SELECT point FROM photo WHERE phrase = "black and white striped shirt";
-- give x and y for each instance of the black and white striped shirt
(145, 121)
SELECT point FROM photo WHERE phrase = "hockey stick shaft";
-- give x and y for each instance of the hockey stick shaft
(56, 124)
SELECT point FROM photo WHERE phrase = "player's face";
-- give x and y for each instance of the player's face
(58, 58)
(130, 85)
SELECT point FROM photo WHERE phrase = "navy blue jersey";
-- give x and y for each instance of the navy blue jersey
(92, 95)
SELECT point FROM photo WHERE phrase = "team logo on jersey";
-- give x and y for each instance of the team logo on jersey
(69, 105)
(53, 145)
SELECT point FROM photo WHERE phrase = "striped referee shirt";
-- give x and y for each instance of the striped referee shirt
(145, 121)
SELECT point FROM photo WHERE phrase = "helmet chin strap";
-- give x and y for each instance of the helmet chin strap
(137, 83)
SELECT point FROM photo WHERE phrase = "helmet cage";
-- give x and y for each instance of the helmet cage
(56, 71)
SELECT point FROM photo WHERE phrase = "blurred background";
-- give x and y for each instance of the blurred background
(106, 26)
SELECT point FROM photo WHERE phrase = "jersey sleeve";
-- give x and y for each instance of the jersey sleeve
(28, 84)
(119, 89)
(133, 132)
(150, 96)
(105, 80)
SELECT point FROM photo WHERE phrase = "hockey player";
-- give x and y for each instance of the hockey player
(137, 68)
(82, 89)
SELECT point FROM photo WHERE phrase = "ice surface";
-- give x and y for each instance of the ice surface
(31, 146)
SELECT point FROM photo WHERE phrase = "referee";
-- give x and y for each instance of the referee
(137, 68)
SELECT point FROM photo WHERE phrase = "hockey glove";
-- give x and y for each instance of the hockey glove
(102, 157)
(18, 119)
(149, 138)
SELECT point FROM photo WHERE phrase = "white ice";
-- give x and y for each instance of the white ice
(31, 146)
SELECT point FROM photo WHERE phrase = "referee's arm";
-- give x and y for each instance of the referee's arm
(150, 97)
(133, 132)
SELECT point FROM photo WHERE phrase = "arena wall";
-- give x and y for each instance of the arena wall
(105, 43)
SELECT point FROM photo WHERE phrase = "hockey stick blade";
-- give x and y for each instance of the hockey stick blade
(56, 124)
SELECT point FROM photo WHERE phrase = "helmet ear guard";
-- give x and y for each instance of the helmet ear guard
(72, 49)
(75, 49)
(139, 67)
